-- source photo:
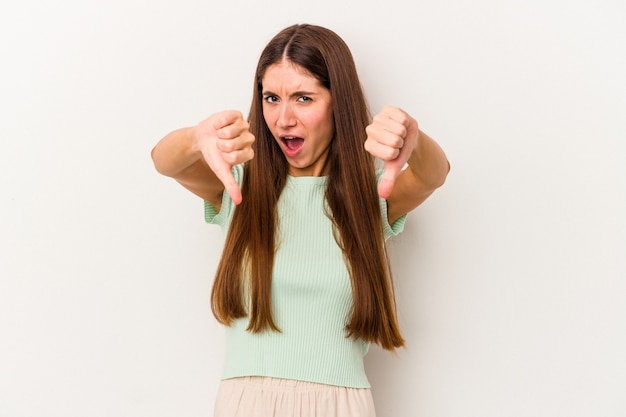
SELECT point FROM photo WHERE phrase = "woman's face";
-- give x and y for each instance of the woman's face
(298, 112)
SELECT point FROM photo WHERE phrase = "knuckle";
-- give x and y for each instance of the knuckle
(226, 146)
(398, 142)
(230, 158)
(391, 153)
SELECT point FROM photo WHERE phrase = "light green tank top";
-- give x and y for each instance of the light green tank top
(311, 296)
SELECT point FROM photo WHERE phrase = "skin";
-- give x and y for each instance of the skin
(296, 105)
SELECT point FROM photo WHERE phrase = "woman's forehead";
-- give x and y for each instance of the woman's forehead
(288, 75)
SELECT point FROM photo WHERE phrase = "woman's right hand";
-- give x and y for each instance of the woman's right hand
(224, 139)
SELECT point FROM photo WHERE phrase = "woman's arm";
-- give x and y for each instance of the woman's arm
(395, 138)
(201, 157)
(427, 170)
(178, 156)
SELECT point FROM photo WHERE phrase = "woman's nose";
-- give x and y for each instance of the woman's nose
(286, 117)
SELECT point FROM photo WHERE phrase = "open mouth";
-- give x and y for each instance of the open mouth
(292, 143)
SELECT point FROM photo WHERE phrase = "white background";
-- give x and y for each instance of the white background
(511, 279)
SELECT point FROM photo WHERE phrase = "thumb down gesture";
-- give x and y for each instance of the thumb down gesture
(224, 139)
(391, 137)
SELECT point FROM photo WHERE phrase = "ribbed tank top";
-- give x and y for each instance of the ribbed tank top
(311, 296)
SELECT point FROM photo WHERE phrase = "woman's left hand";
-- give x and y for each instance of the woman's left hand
(391, 137)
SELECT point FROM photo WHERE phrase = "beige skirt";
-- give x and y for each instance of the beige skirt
(273, 397)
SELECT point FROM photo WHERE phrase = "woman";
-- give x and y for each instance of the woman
(304, 284)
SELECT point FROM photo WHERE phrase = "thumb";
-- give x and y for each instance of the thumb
(224, 174)
(233, 190)
(394, 167)
(388, 179)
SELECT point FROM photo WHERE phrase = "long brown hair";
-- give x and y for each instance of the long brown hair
(244, 275)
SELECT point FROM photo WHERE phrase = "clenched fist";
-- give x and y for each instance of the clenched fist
(391, 137)
(225, 140)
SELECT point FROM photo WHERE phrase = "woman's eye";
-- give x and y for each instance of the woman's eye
(271, 99)
(305, 98)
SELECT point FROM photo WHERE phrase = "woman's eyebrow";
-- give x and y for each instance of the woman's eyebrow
(292, 95)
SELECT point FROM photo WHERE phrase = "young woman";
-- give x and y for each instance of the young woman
(304, 284)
